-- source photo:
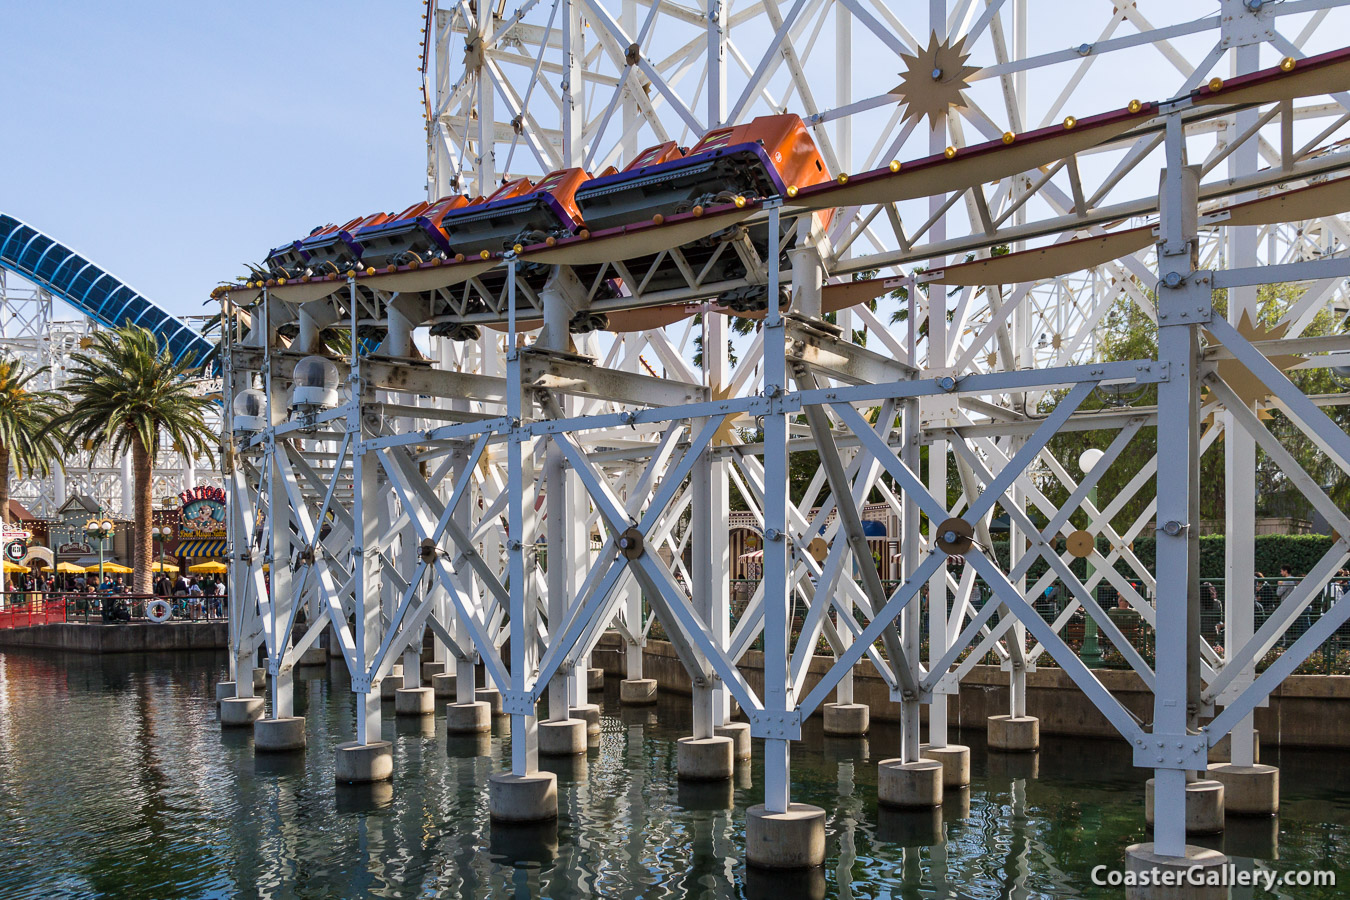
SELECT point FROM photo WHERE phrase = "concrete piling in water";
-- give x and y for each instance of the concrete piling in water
(1141, 858)
(794, 839)
(1248, 790)
(492, 697)
(562, 737)
(739, 732)
(314, 656)
(240, 712)
(520, 799)
(705, 759)
(1014, 734)
(846, 719)
(910, 785)
(363, 763)
(590, 712)
(955, 759)
(279, 735)
(391, 683)
(1204, 806)
(418, 701)
(468, 718)
(637, 691)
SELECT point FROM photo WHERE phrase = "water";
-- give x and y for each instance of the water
(116, 781)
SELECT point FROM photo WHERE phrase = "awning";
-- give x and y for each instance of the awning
(211, 547)
(86, 561)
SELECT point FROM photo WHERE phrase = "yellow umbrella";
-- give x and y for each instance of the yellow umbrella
(15, 567)
(164, 567)
(69, 568)
(115, 568)
(210, 568)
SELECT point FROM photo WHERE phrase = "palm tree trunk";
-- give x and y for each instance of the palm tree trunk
(4, 485)
(142, 552)
(4, 512)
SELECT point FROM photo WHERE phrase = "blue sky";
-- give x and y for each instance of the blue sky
(171, 141)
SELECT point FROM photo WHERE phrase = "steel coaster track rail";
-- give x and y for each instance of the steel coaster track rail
(90, 289)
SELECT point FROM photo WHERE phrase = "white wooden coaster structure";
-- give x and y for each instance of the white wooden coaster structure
(521, 488)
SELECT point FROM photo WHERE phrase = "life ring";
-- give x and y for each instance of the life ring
(158, 611)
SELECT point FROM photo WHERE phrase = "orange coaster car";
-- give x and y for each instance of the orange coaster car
(756, 160)
(518, 213)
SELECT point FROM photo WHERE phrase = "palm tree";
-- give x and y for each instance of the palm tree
(29, 443)
(128, 391)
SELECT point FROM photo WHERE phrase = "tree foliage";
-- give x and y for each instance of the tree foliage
(1126, 333)
(128, 393)
(29, 444)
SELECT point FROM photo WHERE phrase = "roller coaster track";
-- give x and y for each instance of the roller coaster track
(90, 289)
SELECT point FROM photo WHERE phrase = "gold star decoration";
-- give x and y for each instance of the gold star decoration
(726, 432)
(1246, 385)
(934, 79)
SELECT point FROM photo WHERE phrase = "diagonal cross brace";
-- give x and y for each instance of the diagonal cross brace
(851, 522)
(689, 631)
(405, 483)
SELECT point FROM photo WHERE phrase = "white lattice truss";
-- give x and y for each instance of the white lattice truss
(440, 480)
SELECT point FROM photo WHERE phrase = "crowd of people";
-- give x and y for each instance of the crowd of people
(200, 597)
(190, 596)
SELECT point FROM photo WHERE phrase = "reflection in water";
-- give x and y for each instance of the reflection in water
(116, 780)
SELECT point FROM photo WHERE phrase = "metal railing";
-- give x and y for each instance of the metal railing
(34, 609)
(27, 608)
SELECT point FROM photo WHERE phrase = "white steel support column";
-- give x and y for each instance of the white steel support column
(464, 665)
(1240, 455)
(717, 64)
(573, 94)
(485, 165)
(282, 595)
(938, 639)
(441, 173)
(366, 580)
(524, 613)
(1017, 679)
(777, 702)
(718, 372)
(368, 601)
(559, 574)
(909, 562)
(938, 342)
(633, 617)
(1180, 296)
(629, 116)
(705, 587)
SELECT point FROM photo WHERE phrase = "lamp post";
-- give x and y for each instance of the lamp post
(1091, 654)
(161, 537)
(99, 531)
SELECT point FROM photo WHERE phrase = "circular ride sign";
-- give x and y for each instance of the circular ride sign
(16, 550)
